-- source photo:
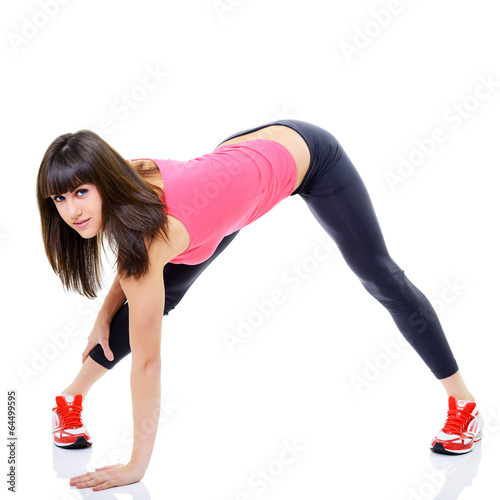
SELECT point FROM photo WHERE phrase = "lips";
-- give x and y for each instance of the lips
(81, 223)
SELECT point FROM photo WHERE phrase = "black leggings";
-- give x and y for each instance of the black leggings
(337, 196)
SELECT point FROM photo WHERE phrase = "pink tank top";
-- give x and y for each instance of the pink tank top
(221, 192)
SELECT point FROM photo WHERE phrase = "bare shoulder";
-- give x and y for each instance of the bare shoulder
(161, 252)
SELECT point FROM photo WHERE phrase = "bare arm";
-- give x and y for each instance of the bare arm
(100, 332)
(146, 301)
(112, 303)
(146, 298)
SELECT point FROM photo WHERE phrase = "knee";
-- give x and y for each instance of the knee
(386, 282)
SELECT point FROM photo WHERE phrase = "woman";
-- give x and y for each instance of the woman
(167, 220)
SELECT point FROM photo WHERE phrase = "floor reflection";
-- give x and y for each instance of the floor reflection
(457, 472)
(69, 463)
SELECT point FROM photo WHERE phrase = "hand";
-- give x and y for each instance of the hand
(99, 335)
(108, 477)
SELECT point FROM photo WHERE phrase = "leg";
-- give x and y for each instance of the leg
(455, 386)
(89, 373)
(336, 195)
(340, 202)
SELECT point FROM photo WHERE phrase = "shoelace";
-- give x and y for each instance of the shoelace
(71, 416)
(457, 421)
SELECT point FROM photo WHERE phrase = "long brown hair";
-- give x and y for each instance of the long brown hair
(134, 212)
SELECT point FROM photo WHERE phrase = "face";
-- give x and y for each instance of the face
(81, 209)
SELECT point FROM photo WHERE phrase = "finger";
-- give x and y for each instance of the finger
(86, 482)
(81, 477)
(106, 485)
(79, 483)
(107, 351)
(86, 352)
(91, 483)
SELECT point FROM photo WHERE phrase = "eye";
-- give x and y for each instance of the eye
(82, 191)
(56, 198)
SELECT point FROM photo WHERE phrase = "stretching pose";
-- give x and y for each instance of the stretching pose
(167, 220)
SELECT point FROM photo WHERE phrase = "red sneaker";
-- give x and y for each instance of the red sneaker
(68, 429)
(462, 429)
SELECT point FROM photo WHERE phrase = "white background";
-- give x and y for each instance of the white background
(223, 67)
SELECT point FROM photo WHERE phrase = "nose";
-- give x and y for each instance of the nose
(74, 209)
